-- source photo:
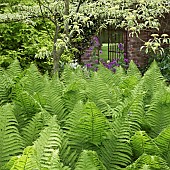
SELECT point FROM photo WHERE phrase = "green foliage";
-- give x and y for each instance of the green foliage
(79, 121)
(28, 42)
(10, 139)
(163, 61)
(89, 160)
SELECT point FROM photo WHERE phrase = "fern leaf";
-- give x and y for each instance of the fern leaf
(25, 161)
(115, 151)
(25, 107)
(142, 143)
(106, 75)
(152, 81)
(14, 70)
(10, 140)
(31, 131)
(32, 82)
(68, 155)
(148, 162)
(158, 114)
(48, 143)
(87, 125)
(5, 89)
(133, 70)
(89, 160)
(163, 142)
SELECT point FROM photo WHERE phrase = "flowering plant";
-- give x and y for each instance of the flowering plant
(111, 65)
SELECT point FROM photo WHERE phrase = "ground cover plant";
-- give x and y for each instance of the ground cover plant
(84, 122)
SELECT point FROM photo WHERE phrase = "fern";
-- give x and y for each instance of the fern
(158, 114)
(44, 154)
(163, 142)
(32, 82)
(153, 80)
(89, 160)
(148, 162)
(132, 108)
(133, 70)
(31, 131)
(25, 107)
(142, 143)
(87, 125)
(115, 151)
(10, 139)
(54, 103)
(14, 70)
(5, 89)
(106, 75)
(25, 161)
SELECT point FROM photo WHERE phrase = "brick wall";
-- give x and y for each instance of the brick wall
(134, 43)
(133, 48)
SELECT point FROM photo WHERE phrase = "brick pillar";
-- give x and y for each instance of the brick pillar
(133, 48)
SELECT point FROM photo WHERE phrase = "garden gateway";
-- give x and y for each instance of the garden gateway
(113, 38)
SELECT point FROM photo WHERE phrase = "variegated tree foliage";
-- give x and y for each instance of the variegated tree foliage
(101, 121)
(133, 15)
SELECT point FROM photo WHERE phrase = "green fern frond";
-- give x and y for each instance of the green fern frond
(158, 114)
(119, 76)
(6, 85)
(99, 92)
(133, 70)
(106, 75)
(88, 125)
(44, 154)
(152, 81)
(71, 98)
(10, 140)
(14, 70)
(163, 142)
(89, 160)
(54, 103)
(32, 82)
(25, 161)
(115, 151)
(148, 162)
(132, 108)
(31, 131)
(68, 155)
(25, 107)
(48, 144)
(142, 143)
(71, 75)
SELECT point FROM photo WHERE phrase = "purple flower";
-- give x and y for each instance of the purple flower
(87, 54)
(96, 61)
(126, 60)
(114, 70)
(91, 48)
(113, 62)
(100, 51)
(109, 66)
(95, 69)
(88, 65)
(120, 46)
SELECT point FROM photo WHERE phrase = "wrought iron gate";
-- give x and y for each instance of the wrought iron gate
(117, 43)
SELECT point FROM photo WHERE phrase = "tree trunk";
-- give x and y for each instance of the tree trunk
(66, 13)
(55, 56)
(57, 53)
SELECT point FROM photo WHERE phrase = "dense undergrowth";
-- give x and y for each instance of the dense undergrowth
(104, 121)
